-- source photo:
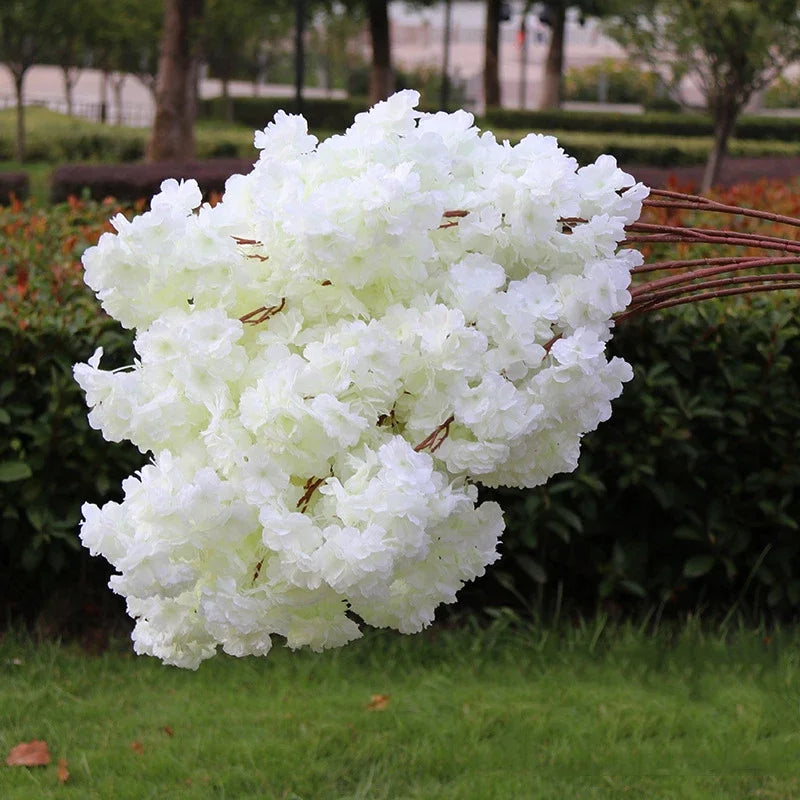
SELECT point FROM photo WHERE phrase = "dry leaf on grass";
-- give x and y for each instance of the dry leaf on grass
(378, 702)
(63, 772)
(137, 747)
(29, 754)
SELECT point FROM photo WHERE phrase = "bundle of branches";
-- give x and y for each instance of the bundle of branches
(765, 267)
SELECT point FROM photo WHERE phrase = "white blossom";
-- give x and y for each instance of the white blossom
(328, 360)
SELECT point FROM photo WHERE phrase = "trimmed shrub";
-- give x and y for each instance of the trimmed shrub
(57, 138)
(327, 114)
(611, 81)
(14, 185)
(660, 151)
(689, 496)
(652, 122)
(132, 182)
(50, 460)
(783, 93)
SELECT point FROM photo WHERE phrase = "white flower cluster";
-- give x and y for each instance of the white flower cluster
(332, 356)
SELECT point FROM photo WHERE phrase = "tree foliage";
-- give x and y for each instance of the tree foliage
(22, 44)
(233, 34)
(732, 48)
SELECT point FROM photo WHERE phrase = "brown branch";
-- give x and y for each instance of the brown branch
(685, 290)
(697, 298)
(657, 266)
(240, 240)
(310, 486)
(450, 214)
(687, 277)
(699, 282)
(548, 344)
(436, 437)
(262, 314)
(715, 233)
(696, 202)
(658, 238)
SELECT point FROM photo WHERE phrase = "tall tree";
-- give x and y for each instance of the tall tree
(172, 136)
(491, 54)
(126, 41)
(732, 48)
(75, 26)
(231, 33)
(335, 30)
(23, 42)
(554, 15)
(381, 80)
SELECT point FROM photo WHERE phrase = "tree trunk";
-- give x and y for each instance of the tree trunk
(381, 79)
(448, 22)
(227, 100)
(19, 77)
(299, 54)
(103, 97)
(554, 63)
(70, 78)
(491, 62)
(117, 82)
(724, 121)
(172, 137)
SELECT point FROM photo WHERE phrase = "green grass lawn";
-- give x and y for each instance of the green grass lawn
(586, 713)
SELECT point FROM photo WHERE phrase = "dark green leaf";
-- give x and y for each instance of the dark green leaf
(697, 566)
(14, 471)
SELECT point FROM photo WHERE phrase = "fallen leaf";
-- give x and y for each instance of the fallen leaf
(168, 730)
(29, 754)
(63, 772)
(378, 702)
(137, 747)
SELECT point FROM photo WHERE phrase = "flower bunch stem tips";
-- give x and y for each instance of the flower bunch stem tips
(332, 358)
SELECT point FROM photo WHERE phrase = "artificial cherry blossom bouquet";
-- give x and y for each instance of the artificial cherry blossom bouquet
(332, 357)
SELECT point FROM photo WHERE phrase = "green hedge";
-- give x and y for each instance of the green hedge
(57, 139)
(653, 122)
(657, 151)
(327, 114)
(50, 460)
(689, 497)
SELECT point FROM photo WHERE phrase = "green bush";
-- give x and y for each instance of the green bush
(327, 114)
(689, 496)
(611, 81)
(661, 151)
(57, 139)
(50, 460)
(665, 123)
(783, 93)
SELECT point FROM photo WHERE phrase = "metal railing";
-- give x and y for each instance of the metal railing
(134, 114)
